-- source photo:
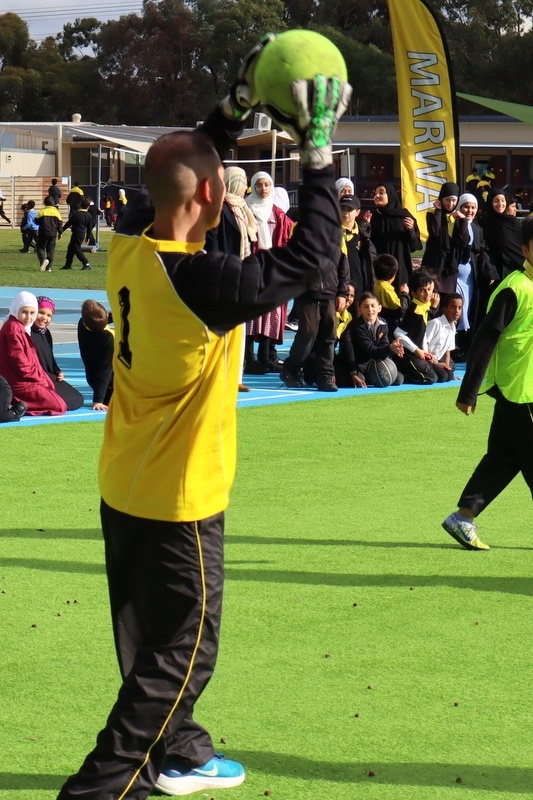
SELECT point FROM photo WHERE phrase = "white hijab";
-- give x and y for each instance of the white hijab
(468, 198)
(19, 301)
(281, 198)
(261, 208)
(342, 182)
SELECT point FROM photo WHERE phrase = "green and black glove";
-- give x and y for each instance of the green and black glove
(318, 104)
(242, 97)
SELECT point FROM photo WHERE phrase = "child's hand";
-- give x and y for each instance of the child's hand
(358, 383)
(60, 376)
(367, 216)
(404, 288)
(437, 204)
(435, 300)
(397, 347)
(457, 214)
(419, 353)
(99, 407)
(340, 304)
(409, 223)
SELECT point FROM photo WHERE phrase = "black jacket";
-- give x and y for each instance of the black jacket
(360, 343)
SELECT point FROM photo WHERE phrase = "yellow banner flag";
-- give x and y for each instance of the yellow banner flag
(429, 133)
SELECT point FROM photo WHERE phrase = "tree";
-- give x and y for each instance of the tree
(78, 38)
(14, 40)
(153, 67)
(230, 28)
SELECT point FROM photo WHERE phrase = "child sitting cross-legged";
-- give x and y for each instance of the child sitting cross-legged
(364, 342)
(416, 365)
(440, 336)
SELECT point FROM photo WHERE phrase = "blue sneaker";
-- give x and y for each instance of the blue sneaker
(219, 773)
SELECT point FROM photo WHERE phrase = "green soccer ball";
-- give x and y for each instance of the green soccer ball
(295, 55)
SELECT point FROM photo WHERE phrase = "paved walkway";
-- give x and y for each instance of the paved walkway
(265, 389)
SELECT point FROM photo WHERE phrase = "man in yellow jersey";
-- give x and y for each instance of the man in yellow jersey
(500, 362)
(168, 457)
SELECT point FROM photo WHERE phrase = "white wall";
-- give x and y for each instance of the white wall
(27, 162)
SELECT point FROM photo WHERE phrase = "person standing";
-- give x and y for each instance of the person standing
(236, 232)
(500, 364)
(177, 310)
(81, 224)
(54, 192)
(3, 214)
(273, 230)
(50, 228)
(394, 230)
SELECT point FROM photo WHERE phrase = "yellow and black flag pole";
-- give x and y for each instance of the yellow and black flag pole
(429, 132)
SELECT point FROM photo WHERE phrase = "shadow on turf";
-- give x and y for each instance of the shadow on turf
(481, 777)
(485, 777)
(522, 586)
(55, 533)
(238, 539)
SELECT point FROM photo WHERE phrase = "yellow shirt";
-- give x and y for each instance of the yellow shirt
(169, 446)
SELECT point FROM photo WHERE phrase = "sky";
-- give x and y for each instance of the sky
(47, 17)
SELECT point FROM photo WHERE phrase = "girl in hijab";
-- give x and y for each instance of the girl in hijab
(273, 230)
(44, 345)
(468, 270)
(440, 221)
(19, 363)
(394, 231)
(502, 234)
(237, 230)
(121, 205)
(344, 186)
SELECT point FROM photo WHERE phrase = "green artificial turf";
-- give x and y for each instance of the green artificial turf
(357, 637)
(22, 269)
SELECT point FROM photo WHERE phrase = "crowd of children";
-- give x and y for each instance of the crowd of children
(402, 321)
(374, 320)
(31, 381)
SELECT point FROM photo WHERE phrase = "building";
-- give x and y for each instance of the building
(367, 149)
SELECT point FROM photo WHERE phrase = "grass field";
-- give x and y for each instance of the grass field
(357, 637)
(22, 269)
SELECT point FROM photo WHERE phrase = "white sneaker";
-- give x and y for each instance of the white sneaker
(44, 264)
(463, 532)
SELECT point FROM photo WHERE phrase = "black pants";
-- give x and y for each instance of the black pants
(74, 249)
(509, 451)
(316, 333)
(165, 586)
(70, 394)
(6, 398)
(416, 370)
(28, 239)
(46, 248)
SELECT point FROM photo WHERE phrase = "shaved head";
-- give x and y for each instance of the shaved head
(175, 165)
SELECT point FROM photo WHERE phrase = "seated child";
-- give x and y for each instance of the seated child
(416, 363)
(393, 306)
(44, 345)
(96, 341)
(366, 340)
(440, 336)
(19, 363)
(9, 411)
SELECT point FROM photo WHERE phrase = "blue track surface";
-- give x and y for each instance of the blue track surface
(265, 389)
